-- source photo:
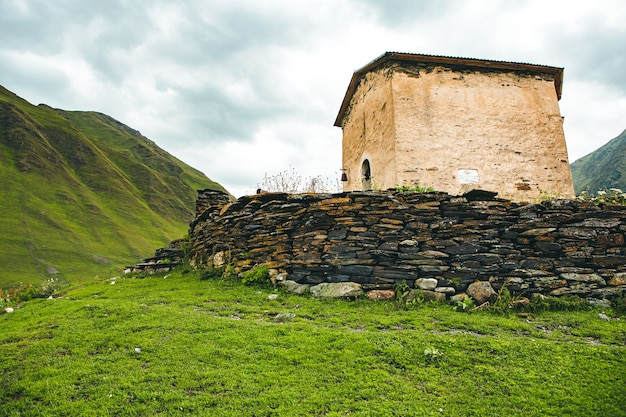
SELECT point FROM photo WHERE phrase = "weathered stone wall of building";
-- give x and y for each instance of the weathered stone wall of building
(370, 135)
(380, 239)
(457, 129)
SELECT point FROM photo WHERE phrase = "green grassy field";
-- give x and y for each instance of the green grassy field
(178, 345)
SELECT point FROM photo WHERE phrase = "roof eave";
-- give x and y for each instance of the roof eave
(436, 59)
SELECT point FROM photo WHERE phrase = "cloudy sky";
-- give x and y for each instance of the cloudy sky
(240, 88)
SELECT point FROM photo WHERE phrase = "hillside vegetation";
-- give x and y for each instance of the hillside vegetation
(83, 194)
(177, 345)
(602, 169)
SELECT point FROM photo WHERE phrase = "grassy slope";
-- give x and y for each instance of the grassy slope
(162, 180)
(83, 194)
(181, 346)
(602, 169)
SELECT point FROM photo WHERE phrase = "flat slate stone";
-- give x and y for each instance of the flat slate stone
(337, 290)
(295, 288)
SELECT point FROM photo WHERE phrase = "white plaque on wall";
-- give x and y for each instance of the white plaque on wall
(467, 176)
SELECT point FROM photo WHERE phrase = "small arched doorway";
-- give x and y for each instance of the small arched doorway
(366, 175)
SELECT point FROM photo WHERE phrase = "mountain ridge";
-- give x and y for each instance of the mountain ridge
(602, 169)
(84, 194)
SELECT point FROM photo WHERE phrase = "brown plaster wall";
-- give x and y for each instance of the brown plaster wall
(370, 134)
(420, 126)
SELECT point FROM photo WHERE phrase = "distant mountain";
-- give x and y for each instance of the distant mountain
(603, 168)
(83, 194)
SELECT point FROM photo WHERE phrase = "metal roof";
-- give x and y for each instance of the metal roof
(445, 60)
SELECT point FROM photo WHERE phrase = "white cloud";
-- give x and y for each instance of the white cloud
(595, 113)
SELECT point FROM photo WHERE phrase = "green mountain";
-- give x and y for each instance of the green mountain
(82, 194)
(603, 168)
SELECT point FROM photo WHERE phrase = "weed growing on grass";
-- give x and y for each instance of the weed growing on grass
(432, 355)
(563, 303)
(618, 304)
(259, 275)
(402, 291)
(25, 292)
(504, 302)
(407, 296)
(465, 305)
(185, 247)
(210, 273)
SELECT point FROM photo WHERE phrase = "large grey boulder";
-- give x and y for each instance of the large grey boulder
(336, 290)
(295, 288)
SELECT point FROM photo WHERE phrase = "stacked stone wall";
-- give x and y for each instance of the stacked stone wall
(381, 239)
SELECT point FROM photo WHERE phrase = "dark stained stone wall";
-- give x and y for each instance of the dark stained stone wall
(379, 239)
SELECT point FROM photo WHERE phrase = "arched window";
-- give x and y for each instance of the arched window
(366, 175)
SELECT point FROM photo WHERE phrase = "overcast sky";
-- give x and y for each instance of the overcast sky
(241, 88)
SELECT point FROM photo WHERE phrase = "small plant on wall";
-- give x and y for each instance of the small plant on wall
(415, 188)
(610, 196)
(290, 181)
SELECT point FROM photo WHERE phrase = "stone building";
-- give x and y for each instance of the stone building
(455, 124)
